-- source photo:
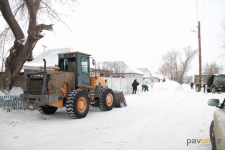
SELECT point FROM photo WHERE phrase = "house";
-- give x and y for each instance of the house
(120, 69)
(147, 75)
(51, 57)
(101, 72)
(131, 72)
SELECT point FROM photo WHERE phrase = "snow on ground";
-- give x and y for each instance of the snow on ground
(162, 119)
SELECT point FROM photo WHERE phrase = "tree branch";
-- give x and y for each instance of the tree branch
(56, 15)
(10, 19)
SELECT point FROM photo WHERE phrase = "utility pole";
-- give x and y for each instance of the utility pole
(200, 59)
(44, 47)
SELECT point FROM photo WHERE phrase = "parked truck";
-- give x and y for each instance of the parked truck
(216, 83)
(204, 81)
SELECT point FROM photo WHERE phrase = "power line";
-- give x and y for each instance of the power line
(132, 41)
(197, 9)
(202, 9)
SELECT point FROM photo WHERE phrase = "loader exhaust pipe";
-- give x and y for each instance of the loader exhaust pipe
(44, 65)
(45, 79)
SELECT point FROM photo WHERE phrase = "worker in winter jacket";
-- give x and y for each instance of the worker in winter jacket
(144, 87)
(135, 84)
(191, 84)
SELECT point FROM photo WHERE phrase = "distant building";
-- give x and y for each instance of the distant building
(51, 57)
(133, 73)
(120, 69)
(147, 75)
(101, 72)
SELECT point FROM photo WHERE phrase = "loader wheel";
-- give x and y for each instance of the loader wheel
(77, 104)
(106, 101)
(197, 89)
(47, 110)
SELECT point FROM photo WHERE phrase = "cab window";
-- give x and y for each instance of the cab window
(68, 64)
(84, 65)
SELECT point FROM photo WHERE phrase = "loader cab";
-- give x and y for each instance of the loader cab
(78, 63)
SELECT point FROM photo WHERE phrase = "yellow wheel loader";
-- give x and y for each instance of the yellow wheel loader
(70, 85)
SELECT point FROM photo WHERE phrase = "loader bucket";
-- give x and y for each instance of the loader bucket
(119, 99)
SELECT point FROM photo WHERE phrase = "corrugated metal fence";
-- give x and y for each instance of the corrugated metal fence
(11, 102)
(121, 84)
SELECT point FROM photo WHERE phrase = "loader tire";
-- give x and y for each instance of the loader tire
(77, 104)
(47, 110)
(197, 89)
(106, 101)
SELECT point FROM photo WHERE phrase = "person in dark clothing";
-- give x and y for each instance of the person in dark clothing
(144, 87)
(192, 84)
(135, 84)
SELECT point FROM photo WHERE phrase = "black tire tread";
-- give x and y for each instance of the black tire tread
(102, 102)
(47, 110)
(71, 104)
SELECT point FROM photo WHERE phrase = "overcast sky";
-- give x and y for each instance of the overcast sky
(139, 32)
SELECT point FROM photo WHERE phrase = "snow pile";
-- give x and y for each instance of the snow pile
(1, 93)
(14, 91)
(168, 85)
(186, 86)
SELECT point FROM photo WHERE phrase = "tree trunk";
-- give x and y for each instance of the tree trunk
(19, 53)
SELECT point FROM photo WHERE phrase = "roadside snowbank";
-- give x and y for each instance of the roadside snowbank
(14, 91)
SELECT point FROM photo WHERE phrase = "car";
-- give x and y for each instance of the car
(216, 83)
(217, 127)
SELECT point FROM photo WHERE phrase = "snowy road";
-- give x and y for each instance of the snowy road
(162, 119)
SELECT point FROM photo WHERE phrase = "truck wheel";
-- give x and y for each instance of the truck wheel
(106, 101)
(213, 90)
(197, 88)
(77, 104)
(212, 136)
(47, 110)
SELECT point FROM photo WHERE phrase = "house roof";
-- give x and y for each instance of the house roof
(51, 57)
(146, 72)
(129, 69)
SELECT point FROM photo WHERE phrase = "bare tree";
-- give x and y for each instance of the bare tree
(170, 66)
(118, 68)
(185, 63)
(5, 36)
(175, 66)
(221, 36)
(22, 49)
(188, 79)
(211, 69)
